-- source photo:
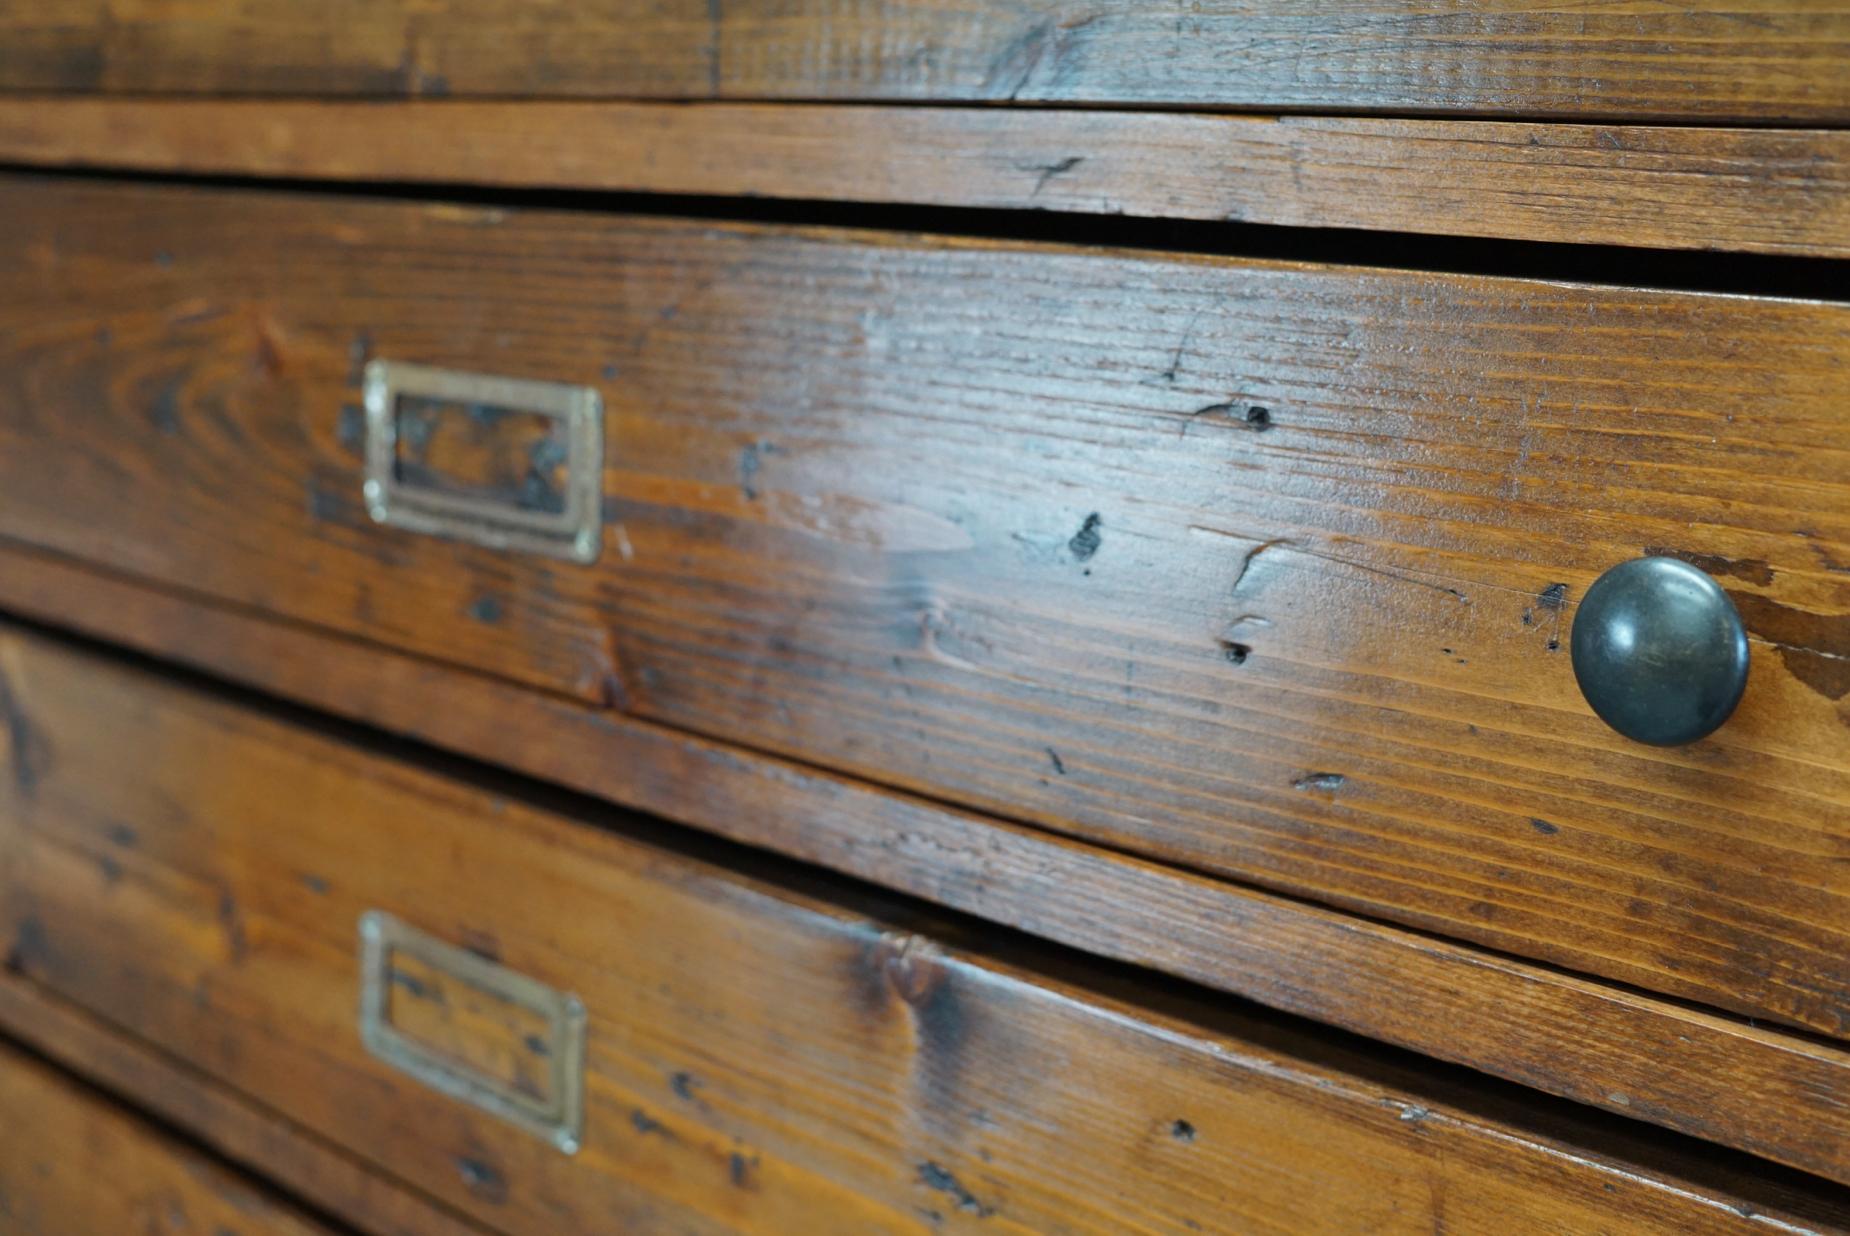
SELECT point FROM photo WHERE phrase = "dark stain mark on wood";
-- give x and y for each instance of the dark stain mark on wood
(1543, 826)
(1086, 541)
(482, 943)
(1047, 171)
(935, 1176)
(1752, 570)
(487, 609)
(29, 751)
(31, 946)
(109, 868)
(350, 430)
(416, 987)
(684, 1084)
(912, 968)
(1552, 600)
(232, 921)
(1059, 765)
(164, 408)
(1182, 1131)
(536, 1044)
(104, 336)
(330, 505)
(1320, 782)
(1824, 556)
(646, 1124)
(610, 371)
(163, 259)
(123, 835)
(739, 1169)
(1815, 647)
(482, 1179)
(1235, 653)
(751, 461)
(541, 489)
(315, 884)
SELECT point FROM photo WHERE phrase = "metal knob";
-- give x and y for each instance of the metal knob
(1659, 651)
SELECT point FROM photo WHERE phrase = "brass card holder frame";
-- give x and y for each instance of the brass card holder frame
(574, 533)
(558, 1117)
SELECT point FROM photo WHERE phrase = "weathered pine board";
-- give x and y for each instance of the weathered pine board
(1779, 191)
(72, 1162)
(1758, 60)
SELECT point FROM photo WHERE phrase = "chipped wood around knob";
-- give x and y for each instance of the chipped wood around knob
(1778, 1095)
(1778, 191)
(1760, 60)
(72, 1162)
(1265, 569)
(760, 1058)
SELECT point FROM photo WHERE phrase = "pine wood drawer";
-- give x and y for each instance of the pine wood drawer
(72, 1163)
(1749, 60)
(763, 1052)
(1262, 569)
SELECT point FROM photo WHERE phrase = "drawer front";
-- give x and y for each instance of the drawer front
(1264, 569)
(1751, 59)
(74, 1164)
(754, 1057)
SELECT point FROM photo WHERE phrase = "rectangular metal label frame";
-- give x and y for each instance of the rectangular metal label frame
(575, 533)
(559, 1118)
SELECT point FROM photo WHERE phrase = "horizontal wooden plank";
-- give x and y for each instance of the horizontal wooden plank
(1265, 569)
(1757, 190)
(70, 1161)
(1777, 1095)
(1759, 60)
(253, 1138)
(758, 1058)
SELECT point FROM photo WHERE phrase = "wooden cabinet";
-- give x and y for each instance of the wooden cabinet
(804, 617)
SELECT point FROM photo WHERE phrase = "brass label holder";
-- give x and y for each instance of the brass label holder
(556, 1114)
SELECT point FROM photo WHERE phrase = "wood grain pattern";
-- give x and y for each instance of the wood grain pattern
(1758, 190)
(1760, 60)
(1263, 569)
(253, 1138)
(71, 1162)
(758, 1059)
(1774, 1094)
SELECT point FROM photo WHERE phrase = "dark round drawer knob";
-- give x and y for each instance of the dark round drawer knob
(1659, 651)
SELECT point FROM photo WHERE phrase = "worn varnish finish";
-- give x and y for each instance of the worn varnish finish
(1264, 569)
(252, 1137)
(1777, 1095)
(1762, 60)
(759, 1059)
(71, 1162)
(1762, 190)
